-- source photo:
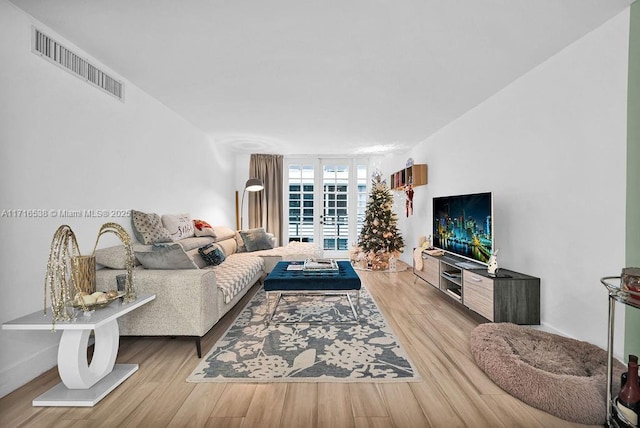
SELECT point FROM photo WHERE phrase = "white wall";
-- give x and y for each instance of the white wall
(66, 145)
(551, 146)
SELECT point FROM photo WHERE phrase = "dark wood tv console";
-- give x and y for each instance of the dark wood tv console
(507, 297)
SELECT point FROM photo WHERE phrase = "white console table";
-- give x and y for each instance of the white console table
(84, 384)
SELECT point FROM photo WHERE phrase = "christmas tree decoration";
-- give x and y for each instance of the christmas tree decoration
(380, 240)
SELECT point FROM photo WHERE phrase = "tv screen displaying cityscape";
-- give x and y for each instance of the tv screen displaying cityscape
(463, 225)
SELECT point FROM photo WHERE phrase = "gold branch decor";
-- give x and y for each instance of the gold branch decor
(69, 273)
(58, 283)
(116, 229)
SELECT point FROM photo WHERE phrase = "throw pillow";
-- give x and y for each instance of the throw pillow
(168, 256)
(212, 254)
(202, 228)
(179, 226)
(148, 228)
(256, 239)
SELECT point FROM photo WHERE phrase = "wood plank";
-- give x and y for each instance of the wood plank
(300, 406)
(16, 408)
(334, 405)
(438, 411)
(267, 405)
(199, 405)
(366, 400)
(223, 423)
(235, 400)
(373, 422)
(402, 405)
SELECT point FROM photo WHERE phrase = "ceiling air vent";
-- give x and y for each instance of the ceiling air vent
(54, 52)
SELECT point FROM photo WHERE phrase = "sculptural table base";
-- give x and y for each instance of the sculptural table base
(84, 384)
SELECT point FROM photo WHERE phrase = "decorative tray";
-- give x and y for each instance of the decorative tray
(97, 305)
(320, 266)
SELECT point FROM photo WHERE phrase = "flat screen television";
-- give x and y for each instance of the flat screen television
(463, 225)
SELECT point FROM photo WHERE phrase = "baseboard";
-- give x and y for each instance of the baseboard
(546, 327)
(549, 329)
(25, 371)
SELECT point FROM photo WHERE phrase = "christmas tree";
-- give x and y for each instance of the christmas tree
(380, 238)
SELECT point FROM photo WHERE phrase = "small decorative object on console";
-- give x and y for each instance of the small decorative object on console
(492, 267)
(96, 300)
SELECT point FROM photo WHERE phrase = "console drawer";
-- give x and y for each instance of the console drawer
(431, 271)
(478, 294)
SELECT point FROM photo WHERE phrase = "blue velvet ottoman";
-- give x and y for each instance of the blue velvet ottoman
(282, 281)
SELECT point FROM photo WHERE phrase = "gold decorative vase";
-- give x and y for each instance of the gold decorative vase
(83, 270)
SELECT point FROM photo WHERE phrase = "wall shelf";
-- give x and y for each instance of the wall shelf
(416, 175)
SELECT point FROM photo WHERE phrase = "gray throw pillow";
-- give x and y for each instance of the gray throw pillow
(256, 239)
(171, 256)
(148, 228)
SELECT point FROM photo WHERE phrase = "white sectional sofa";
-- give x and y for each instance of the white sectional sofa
(191, 296)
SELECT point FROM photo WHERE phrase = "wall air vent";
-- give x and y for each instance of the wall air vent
(54, 52)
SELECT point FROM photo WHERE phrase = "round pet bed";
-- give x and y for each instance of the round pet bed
(562, 376)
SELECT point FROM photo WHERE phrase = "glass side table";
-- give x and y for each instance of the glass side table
(629, 298)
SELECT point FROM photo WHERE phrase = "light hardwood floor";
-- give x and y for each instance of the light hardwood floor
(434, 331)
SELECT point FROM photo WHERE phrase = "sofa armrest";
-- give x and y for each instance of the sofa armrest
(272, 239)
(185, 304)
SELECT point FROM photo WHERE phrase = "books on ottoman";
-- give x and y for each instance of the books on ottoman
(320, 266)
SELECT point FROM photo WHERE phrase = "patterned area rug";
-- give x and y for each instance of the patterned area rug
(311, 339)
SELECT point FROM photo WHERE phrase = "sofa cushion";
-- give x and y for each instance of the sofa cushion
(113, 257)
(229, 246)
(197, 258)
(236, 273)
(148, 228)
(256, 239)
(180, 226)
(223, 232)
(195, 242)
(202, 228)
(170, 256)
(212, 254)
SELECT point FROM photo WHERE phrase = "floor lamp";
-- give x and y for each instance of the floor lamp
(252, 185)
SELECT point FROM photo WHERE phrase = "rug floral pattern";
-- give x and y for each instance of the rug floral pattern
(311, 338)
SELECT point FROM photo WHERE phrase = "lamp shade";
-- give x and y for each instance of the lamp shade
(254, 185)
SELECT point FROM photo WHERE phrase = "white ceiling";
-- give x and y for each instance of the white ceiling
(326, 76)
